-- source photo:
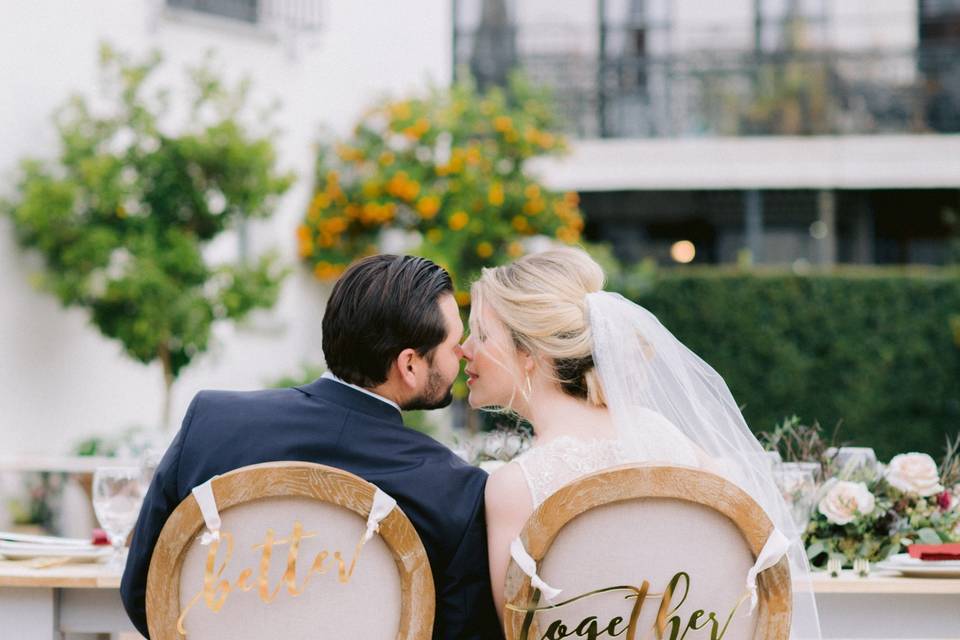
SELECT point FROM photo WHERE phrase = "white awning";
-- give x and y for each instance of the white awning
(829, 162)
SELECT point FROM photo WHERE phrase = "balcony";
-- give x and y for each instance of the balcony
(630, 81)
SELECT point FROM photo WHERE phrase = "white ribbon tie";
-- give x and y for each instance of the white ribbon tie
(529, 567)
(382, 506)
(203, 494)
(774, 549)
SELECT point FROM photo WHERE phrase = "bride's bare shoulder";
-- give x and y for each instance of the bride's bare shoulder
(507, 491)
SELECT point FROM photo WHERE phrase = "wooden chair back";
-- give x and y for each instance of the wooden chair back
(289, 562)
(648, 552)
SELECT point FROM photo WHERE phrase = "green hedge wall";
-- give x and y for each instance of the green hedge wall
(877, 349)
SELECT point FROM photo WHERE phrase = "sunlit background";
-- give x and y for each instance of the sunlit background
(779, 180)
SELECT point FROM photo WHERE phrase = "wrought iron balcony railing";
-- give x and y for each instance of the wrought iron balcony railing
(738, 93)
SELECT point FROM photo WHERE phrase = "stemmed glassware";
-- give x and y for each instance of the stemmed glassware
(117, 496)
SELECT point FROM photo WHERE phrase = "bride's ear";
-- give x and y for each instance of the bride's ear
(527, 362)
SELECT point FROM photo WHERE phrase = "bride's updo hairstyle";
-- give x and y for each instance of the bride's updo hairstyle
(541, 299)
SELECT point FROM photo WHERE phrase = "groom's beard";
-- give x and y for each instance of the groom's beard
(434, 396)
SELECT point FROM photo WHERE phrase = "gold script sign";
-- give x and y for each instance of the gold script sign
(667, 618)
(216, 589)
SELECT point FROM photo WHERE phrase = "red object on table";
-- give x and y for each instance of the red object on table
(946, 551)
(100, 537)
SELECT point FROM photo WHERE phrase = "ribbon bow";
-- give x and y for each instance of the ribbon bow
(529, 567)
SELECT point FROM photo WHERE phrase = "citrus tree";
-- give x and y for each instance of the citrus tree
(121, 217)
(447, 168)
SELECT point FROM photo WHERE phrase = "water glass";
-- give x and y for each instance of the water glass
(850, 462)
(798, 484)
(117, 496)
(773, 460)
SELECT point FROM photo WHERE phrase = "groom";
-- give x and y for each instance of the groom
(391, 339)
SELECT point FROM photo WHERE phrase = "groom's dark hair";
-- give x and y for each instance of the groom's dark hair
(380, 306)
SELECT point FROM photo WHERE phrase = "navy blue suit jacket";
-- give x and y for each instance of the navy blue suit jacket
(330, 423)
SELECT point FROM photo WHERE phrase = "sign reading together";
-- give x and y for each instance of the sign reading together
(669, 623)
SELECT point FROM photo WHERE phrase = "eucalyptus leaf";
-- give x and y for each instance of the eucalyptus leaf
(928, 536)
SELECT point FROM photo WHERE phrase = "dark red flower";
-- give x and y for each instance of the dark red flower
(100, 537)
(944, 500)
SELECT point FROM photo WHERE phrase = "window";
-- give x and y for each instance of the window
(243, 10)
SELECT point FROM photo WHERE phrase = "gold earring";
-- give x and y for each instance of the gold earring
(528, 391)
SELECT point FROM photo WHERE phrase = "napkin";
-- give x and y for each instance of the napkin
(946, 551)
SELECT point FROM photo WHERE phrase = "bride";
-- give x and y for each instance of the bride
(603, 383)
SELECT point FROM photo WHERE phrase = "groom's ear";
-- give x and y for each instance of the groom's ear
(408, 363)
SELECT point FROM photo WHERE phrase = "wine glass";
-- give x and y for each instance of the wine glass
(149, 461)
(117, 496)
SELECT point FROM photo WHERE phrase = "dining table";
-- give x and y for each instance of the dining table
(886, 605)
(82, 601)
(69, 601)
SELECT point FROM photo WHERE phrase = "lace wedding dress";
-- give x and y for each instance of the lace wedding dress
(548, 467)
(562, 460)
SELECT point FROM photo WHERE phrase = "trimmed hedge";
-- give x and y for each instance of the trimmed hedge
(878, 349)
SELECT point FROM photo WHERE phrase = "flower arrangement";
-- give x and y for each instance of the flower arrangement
(490, 450)
(445, 171)
(35, 509)
(866, 510)
(877, 511)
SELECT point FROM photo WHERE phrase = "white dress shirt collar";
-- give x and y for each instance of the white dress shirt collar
(330, 376)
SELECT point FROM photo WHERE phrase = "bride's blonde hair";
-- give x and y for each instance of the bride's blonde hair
(541, 299)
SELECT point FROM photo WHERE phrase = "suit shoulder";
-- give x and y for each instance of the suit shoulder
(218, 410)
(217, 397)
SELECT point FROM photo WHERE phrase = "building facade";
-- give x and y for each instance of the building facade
(325, 61)
(772, 131)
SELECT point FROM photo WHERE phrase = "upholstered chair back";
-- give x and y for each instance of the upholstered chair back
(647, 552)
(291, 559)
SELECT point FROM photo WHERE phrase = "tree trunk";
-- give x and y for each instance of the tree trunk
(168, 380)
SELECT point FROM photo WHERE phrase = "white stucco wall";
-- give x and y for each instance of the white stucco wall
(60, 380)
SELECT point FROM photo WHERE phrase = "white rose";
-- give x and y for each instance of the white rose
(914, 473)
(844, 500)
(513, 445)
(494, 443)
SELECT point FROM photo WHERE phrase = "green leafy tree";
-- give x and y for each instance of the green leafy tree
(122, 216)
(448, 168)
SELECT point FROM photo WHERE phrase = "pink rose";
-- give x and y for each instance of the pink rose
(844, 501)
